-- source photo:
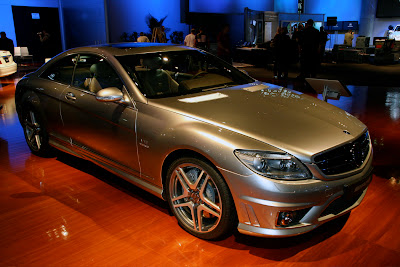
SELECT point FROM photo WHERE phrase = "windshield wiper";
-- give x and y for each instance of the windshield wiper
(216, 87)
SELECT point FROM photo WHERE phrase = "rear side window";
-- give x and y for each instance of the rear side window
(61, 71)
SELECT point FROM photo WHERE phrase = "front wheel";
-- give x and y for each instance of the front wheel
(200, 199)
(35, 133)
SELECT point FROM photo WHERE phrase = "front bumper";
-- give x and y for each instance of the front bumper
(259, 201)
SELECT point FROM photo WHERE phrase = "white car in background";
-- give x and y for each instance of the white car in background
(7, 64)
(395, 34)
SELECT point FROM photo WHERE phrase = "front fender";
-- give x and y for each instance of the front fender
(25, 98)
(160, 133)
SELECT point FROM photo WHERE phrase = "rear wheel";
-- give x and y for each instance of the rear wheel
(35, 133)
(200, 199)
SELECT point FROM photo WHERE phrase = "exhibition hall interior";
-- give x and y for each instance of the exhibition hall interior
(61, 210)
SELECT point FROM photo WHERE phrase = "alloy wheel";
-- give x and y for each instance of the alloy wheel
(33, 131)
(195, 198)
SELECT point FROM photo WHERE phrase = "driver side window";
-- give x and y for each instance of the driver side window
(93, 73)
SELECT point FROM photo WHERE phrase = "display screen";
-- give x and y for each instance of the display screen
(388, 8)
(35, 15)
(337, 27)
(350, 25)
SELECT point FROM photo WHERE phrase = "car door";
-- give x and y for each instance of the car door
(104, 131)
(50, 85)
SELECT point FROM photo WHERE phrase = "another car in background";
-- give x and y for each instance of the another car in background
(395, 34)
(7, 64)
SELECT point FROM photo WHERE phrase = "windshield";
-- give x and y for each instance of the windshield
(160, 75)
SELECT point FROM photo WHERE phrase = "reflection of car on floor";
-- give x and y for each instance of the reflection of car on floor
(7, 64)
(395, 34)
(226, 151)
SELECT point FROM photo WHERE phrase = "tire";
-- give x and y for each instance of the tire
(200, 199)
(35, 132)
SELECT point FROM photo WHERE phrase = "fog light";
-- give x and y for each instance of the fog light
(285, 218)
(289, 218)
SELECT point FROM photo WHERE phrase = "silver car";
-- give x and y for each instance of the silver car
(226, 151)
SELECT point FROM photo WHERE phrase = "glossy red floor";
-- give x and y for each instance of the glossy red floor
(64, 211)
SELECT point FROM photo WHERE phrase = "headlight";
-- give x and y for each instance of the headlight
(273, 165)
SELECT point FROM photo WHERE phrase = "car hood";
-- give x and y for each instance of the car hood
(296, 123)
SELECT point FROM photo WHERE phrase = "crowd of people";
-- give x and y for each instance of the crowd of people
(197, 39)
(307, 45)
(201, 40)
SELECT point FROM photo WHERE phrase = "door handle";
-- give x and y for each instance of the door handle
(70, 96)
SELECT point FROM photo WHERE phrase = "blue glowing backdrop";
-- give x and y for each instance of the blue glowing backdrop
(129, 16)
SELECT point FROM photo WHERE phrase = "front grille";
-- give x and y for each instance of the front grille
(345, 158)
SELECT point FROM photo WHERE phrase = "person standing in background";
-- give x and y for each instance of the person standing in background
(309, 42)
(46, 46)
(224, 45)
(6, 43)
(190, 39)
(348, 38)
(282, 47)
(324, 38)
(297, 32)
(388, 31)
(202, 41)
(143, 38)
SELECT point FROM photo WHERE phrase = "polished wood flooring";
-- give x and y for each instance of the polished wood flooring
(64, 211)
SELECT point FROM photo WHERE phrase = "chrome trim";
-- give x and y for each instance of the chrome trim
(274, 203)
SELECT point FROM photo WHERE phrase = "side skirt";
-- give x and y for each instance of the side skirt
(100, 161)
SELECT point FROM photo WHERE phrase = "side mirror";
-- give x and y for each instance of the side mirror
(110, 94)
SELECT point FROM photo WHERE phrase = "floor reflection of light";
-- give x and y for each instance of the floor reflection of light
(8, 110)
(379, 142)
(395, 183)
(393, 103)
(64, 231)
(10, 134)
(60, 232)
